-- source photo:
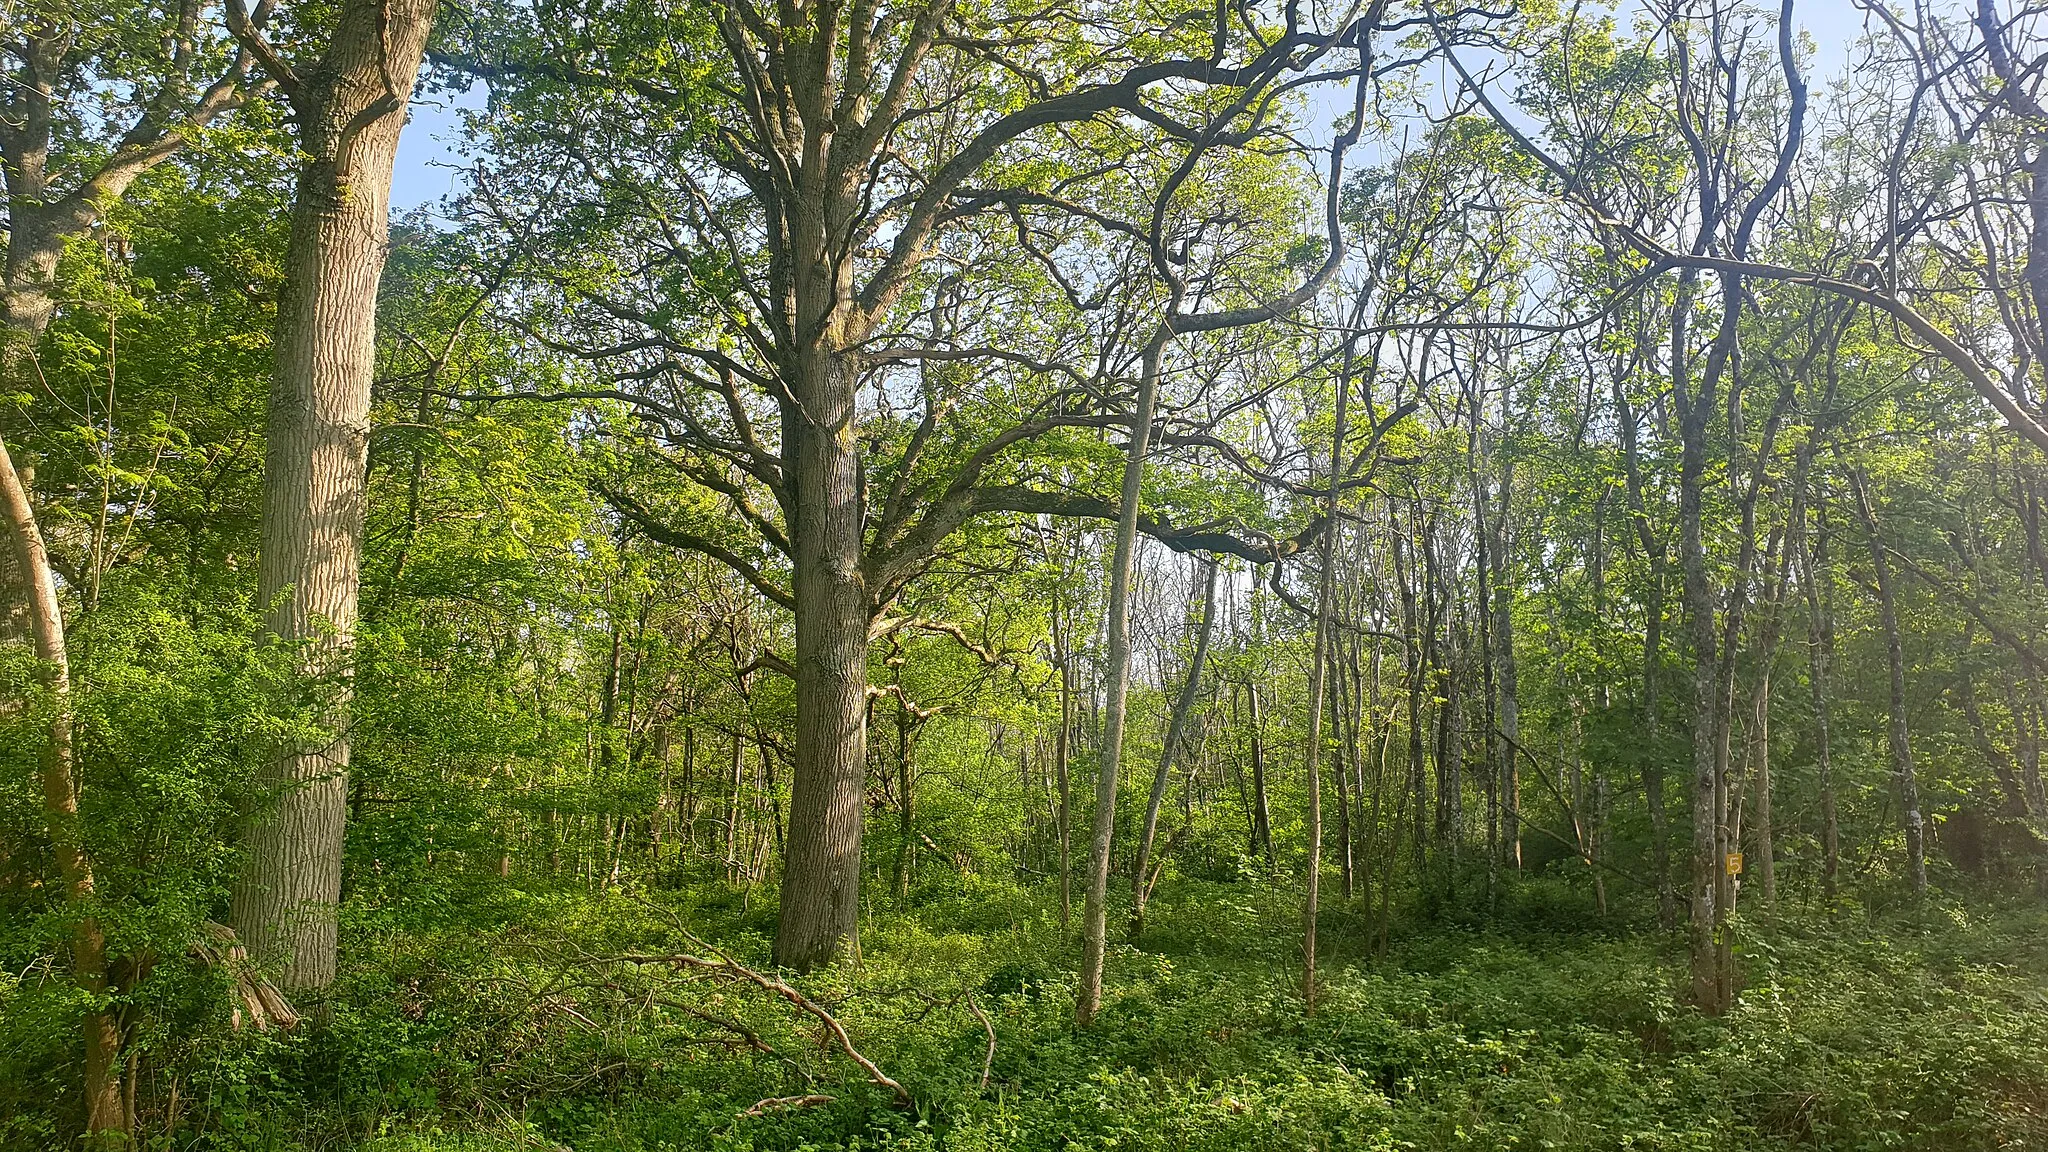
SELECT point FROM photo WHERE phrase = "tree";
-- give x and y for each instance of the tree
(106, 1110)
(851, 150)
(349, 102)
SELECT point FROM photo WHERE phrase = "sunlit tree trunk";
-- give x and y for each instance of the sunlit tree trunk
(349, 107)
(1095, 909)
(106, 1108)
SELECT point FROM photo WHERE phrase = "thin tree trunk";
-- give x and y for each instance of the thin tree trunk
(1819, 655)
(1411, 654)
(350, 108)
(1326, 580)
(1095, 909)
(1903, 777)
(1655, 552)
(1176, 732)
(1506, 672)
(105, 1109)
(1700, 616)
(732, 810)
(906, 786)
(1061, 751)
(1262, 807)
(1342, 756)
(1766, 851)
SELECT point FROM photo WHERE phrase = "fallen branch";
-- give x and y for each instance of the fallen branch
(727, 968)
(778, 1103)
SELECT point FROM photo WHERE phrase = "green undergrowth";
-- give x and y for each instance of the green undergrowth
(518, 1022)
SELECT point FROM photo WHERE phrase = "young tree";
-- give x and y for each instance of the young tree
(106, 1110)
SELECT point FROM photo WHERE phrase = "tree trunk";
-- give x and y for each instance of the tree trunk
(1896, 734)
(1343, 756)
(1318, 672)
(906, 787)
(350, 108)
(1819, 654)
(1766, 861)
(1095, 910)
(1262, 806)
(1655, 552)
(1507, 674)
(820, 912)
(1062, 750)
(105, 1107)
(1176, 731)
(1700, 615)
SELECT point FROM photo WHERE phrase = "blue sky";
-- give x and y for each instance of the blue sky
(428, 159)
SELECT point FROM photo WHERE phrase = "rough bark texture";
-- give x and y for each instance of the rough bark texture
(820, 918)
(350, 108)
(105, 1106)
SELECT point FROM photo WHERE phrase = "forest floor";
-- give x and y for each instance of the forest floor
(500, 1020)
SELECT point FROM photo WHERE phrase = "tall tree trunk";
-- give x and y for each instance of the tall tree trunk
(1819, 655)
(1062, 747)
(1903, 777)
(1506, 673)
(106, 1109)
(1766, 850)
(732, 809)
(1655, 551)
(1700, 617)
(1411, 656)
(1176, 732)
(820, 911)
(350, 108)
(906, 800)
(1343, 756)
(1095, 909)
(1318, 672)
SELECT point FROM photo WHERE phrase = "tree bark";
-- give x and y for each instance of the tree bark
(350, 108)
(1656, 552)
(1095, 911)
(820, 912)
(106, 1109)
